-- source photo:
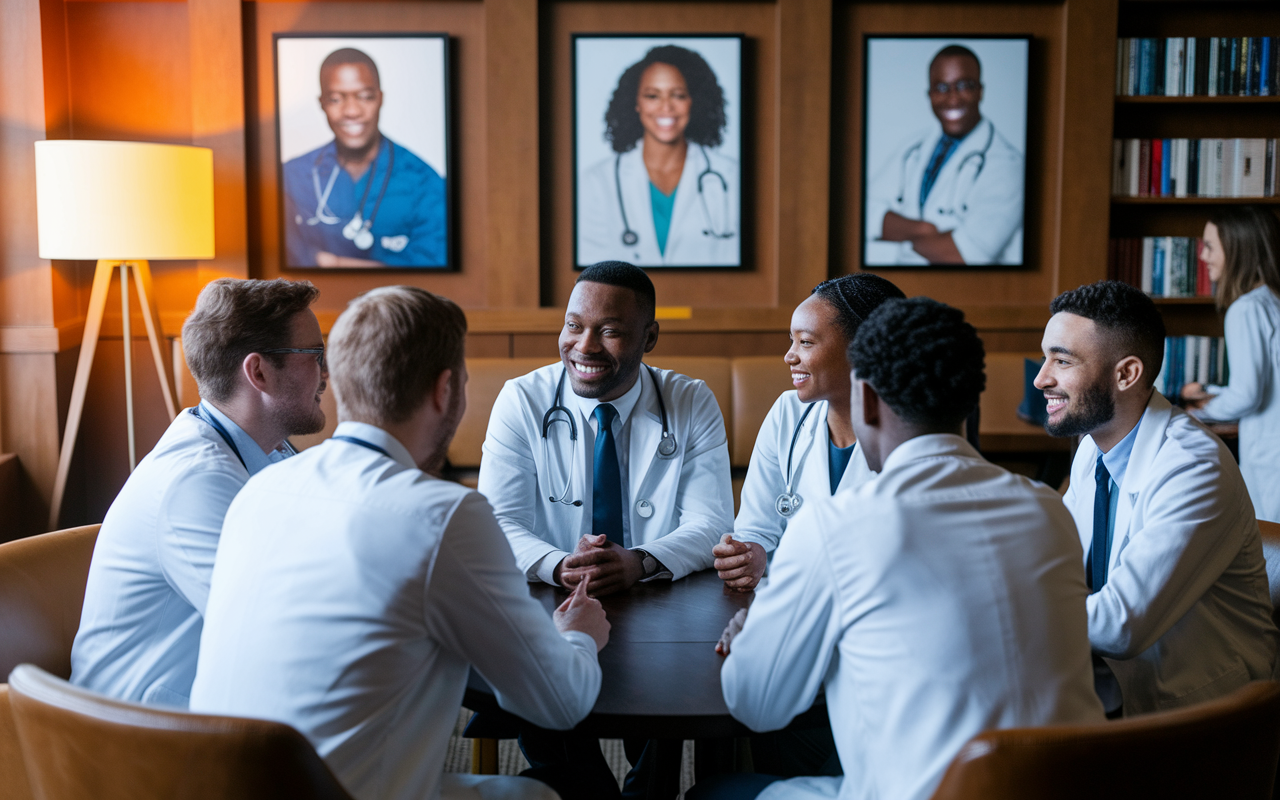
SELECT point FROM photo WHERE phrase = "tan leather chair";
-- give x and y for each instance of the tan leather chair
(1223, 748)
(1271, 551)
(41, 591)
(79, 744)
(757, 382)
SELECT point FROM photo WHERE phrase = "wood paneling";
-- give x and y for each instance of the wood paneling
(757, 286)
(465, 23)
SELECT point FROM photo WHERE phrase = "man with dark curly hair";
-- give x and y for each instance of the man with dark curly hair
(939, 600)
(672, 201)
(1179, 609)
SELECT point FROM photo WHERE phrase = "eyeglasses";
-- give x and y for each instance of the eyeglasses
(962, 86)
(318, 352)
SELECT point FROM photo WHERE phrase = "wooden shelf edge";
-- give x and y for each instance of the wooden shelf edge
(1194, 100)
(1123, 200)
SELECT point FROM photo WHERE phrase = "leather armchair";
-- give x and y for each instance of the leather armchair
(42, 582)
(1223, 748)
(77, 744)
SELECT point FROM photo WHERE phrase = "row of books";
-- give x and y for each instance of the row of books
(1192, 358)
(1203, 65)
(1194, 168)
(1161, 266)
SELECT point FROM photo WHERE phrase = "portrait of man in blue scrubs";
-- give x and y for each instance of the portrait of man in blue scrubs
(361, 200)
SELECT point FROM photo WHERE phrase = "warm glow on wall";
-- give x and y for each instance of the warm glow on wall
(124, 200)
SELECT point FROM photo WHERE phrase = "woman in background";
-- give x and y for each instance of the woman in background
(1241, 250)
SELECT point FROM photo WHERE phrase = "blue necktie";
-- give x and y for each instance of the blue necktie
(940, 155)
(1099, 553)
(606, 479)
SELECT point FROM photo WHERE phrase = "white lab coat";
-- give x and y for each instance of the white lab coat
(600, 220)
(1252, 395)
(688, 497)
(758, 519)
(1185, 615)
(148, 583)
(352, 592)
(941, 599)
(978, 197)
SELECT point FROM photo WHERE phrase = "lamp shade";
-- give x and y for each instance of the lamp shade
(124, 200)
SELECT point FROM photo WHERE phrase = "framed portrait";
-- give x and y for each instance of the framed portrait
(657, 144)
(944, 151)
(362, 137)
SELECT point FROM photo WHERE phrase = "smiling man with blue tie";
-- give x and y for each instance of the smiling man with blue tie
(1179, 610)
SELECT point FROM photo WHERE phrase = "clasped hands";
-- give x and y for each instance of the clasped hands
(740, 565)
(609, 567)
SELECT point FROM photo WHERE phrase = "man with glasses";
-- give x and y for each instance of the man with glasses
(953, 194)
(255, 350)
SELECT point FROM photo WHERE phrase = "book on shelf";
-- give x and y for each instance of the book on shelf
(1198, 66)
(1187, 359)
(1161, 266)
(1195, 168)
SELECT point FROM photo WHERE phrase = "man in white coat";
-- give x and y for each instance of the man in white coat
(1179, 610)
(954, 605)
(644, 496)
(255, 351)
(952, 194)
(353, 589)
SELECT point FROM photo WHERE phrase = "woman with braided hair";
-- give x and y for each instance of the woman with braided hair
(805, 450)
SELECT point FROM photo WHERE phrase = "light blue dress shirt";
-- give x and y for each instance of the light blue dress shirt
(149, 579)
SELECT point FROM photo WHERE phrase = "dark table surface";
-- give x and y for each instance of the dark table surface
(661, 670)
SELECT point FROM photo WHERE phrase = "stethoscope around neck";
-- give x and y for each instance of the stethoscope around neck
(559, 413)
(974, 155)
(359, 230)
(630, 237)
(789, 502)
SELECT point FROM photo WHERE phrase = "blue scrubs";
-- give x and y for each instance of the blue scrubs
(409, 226)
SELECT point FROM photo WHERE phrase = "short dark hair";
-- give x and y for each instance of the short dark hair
(923, 359)
(234, 318)
(1127, 318)
(349, 55)
(954, 50)
(628, 276)
(706, 115)
(854, 297)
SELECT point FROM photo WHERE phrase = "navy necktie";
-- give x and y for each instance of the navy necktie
(945, 145)
(1099, 553)
(606, 479)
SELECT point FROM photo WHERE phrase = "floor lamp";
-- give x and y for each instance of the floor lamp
(121, 204)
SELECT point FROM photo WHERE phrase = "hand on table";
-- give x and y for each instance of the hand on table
(610, 567)
(731, 630)
(580, 612)
(739, 564)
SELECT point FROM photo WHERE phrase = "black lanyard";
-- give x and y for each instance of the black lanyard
(363, 443)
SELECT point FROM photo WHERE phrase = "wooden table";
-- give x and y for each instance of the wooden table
(661, 670)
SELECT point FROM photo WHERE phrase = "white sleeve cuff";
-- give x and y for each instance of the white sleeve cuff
(545, 569)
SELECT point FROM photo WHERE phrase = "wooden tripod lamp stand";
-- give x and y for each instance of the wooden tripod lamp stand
(121, 204)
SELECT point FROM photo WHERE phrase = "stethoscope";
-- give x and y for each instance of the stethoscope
(362, 443)
(630, 237)
(359, 230)
(221, 430)
(666, 447)
(980, 156)
(789, 502)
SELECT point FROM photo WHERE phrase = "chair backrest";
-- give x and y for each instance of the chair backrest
(757, 382)
(1223, 748)
(42, 582)
(1271, 551)
(486, 377)
(78, 744)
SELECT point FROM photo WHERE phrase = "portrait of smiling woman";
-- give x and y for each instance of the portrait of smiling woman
(656, 145)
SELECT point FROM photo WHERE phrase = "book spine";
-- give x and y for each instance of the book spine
(1120, 66)
(1268, 189)
(1211, 67)
(1146, 67)
(1117, 167)
(1159, 289)
(1148, 265)
(1133, 160)
(1219, 145)
(1189, 67)
(1135, 65)
(1144, 168)
(1202, 270)
(1166, 164)
(1264, 68)
(1203, 62)
(1193, 168)
(1255, 65)
(1159, 56)
(1238, 61)
(1173, 66)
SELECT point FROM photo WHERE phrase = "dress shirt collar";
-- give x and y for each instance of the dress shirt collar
(378, 438)
(932, 445)
(255, 460)
(1117, 461)
(623, 405)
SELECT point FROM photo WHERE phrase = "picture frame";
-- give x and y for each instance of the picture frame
(944, 145)
(364, 151)
(657, 182)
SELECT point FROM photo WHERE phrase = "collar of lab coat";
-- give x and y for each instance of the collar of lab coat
(623, 405)
(379, 438)
(253, 456)
(931, 445)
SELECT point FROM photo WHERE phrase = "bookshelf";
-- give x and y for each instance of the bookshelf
(1190, 117)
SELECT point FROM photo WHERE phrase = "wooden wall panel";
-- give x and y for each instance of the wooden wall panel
(1032, 287)
(757, 286)
(464, 22)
